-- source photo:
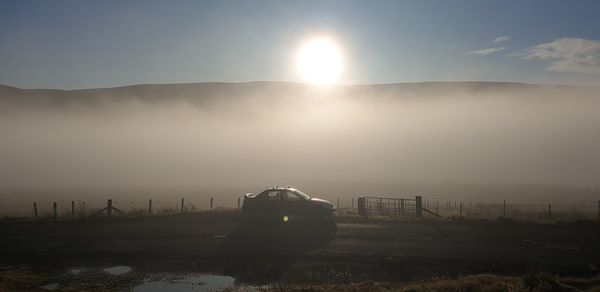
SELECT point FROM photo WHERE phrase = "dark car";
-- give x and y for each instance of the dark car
(286, 201)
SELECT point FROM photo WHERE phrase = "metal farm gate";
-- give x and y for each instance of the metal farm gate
(379, 206)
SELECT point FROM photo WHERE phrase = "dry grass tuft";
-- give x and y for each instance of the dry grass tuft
(16, 278)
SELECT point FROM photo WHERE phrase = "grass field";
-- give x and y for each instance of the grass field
(347, 252)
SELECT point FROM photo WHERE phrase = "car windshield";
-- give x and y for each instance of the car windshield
(301, 194)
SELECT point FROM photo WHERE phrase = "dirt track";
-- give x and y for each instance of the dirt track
(268, 249)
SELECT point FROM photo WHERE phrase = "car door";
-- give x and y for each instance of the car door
(294, 204)
(271, 202)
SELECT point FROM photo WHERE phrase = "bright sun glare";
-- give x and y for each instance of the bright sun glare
(319, 61)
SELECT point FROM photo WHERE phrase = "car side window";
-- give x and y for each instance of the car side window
(291, 196)
(273, 195)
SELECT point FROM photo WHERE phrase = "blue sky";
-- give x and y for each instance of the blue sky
(84, 44)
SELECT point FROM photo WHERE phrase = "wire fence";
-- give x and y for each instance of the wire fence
(88, 208)
(400, 207)
(533, 211)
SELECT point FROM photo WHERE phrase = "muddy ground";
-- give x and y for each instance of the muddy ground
(262, 251)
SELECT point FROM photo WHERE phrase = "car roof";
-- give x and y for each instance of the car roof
(281, 188)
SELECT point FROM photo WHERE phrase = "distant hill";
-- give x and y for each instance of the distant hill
(206, 94)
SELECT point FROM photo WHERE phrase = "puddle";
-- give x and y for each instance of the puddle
(77, 271)
(118, 270)
(189, 283)
(359, 226)
(50, 287)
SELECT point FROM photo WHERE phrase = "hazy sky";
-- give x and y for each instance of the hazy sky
(83, 44)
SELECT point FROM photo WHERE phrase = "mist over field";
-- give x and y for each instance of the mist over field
(230, 138)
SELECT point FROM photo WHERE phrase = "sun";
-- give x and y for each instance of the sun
(319, 61)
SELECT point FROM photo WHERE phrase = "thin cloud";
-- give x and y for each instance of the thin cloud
(501, 39)
(567, 55)
(485, 52)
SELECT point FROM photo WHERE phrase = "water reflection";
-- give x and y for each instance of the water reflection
(118, 270)
(189, 283)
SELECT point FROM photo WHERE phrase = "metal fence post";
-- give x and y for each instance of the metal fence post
(54, 211)
(362, 208)
(211, 203)
(182, 200)
(150, 206)
(73, 209)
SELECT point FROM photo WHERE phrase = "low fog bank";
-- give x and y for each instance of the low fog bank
(18, 201)
(347, 140)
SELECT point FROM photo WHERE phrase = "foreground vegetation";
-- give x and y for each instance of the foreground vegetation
(21, 278)
(490, 283)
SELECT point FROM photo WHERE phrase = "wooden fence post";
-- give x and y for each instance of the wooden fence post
(211, 203)
(150, 206)
(55, 215)
(109, 207)
(35, 213)
(73, 209)
(419, 206)
(239, 199)
(182, 200)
